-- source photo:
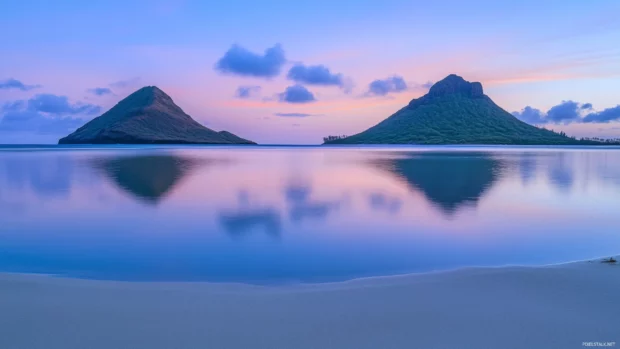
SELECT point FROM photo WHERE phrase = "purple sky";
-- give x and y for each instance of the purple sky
(295, 71)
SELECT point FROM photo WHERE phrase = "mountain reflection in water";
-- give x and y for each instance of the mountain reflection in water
(288, 214)
(147, 177)
(449, 180)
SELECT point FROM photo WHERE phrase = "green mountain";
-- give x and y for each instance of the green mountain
(454, 111)
(148, 116)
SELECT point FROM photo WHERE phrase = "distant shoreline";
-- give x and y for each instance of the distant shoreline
(351, 146)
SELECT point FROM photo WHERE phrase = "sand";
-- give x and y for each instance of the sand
(510, 307)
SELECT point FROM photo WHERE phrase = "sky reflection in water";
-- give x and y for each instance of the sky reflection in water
(277, 214)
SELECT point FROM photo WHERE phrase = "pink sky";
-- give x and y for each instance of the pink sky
(564, 52)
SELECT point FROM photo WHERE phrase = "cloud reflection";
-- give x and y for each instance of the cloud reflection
(248, 217)
(560, 172)
(47, 176)
(302, 207)
(245, 220)
(383, 202)
(527, 167)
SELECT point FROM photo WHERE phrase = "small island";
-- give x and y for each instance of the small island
(456, 111)
(148, 116)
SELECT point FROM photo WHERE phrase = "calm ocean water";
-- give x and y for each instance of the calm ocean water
(301, 214)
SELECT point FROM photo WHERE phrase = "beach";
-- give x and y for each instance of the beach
(562, 306)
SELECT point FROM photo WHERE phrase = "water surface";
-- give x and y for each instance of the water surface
(301, 214)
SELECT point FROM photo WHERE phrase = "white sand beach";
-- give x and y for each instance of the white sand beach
(559, 306)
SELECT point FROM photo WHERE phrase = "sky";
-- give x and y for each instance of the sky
(292, 72)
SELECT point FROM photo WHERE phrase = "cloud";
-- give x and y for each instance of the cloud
(245, 92)
(240, 61)
(427, 84)
(14, 106)
(32, 121)
(100, 91)
(293, 115)
(565, 112)
(296, 94)
(385, 86)
(53, 104)
(125, 83)
(531, 116)
(604, 116)
(316, 75)
(44, 114)
(568, 112)
(16, 84)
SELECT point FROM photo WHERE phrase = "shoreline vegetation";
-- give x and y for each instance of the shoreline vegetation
(556, 306)
(340, 140)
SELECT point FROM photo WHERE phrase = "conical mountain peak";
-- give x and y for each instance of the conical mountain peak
(154, 91)
(146, 96)
(148, 116)
(454, 84)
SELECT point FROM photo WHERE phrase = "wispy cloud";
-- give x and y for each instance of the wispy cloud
(293, 115)
(100, 91)
(131, 82)
(16, 84)
(245, 92)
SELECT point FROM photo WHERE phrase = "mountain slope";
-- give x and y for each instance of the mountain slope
(148, 116)
(454, 111)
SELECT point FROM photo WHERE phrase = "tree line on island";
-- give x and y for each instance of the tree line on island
(333, 138)
(591, 140)
(582, 140)
(610, 141)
